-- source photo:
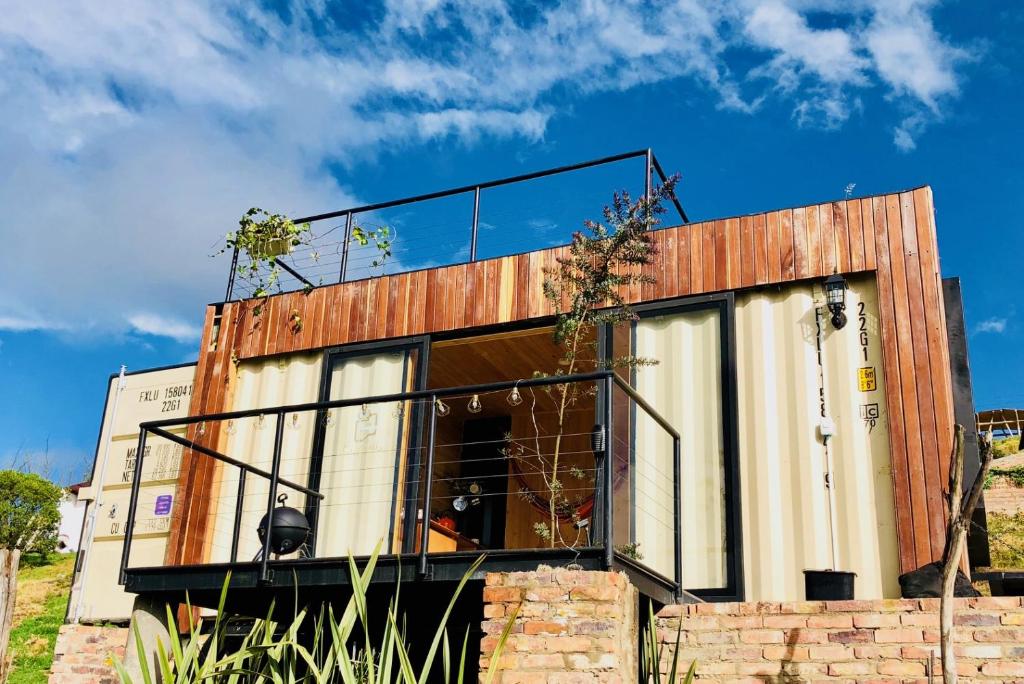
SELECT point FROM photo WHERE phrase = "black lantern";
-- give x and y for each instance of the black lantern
(835, 298)
(288, 528)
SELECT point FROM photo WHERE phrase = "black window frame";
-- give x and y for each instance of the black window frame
(330, 356)
(725, 303)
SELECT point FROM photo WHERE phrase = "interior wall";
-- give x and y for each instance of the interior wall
(785, 503)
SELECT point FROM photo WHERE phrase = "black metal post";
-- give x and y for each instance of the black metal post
(133, 503)
(649, 169)
(239, 499)
(677, 513)
(231, 275)
(429, 481)
(609, 468)
(275, 469)
(476, 224)
(344, 247)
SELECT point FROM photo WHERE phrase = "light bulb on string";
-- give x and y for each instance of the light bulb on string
(261, 421)
(474, 405)
(202, 428)
(514, 397)
(442, 408)
(231, 428)
(295, 421)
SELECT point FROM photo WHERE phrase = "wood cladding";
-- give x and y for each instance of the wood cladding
(892, 235)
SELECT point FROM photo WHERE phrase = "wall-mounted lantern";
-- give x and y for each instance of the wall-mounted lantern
(835, 298)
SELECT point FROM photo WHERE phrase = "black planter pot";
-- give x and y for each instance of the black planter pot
(828, 585)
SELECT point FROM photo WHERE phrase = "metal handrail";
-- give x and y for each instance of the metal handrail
(651, 167)
(608, 378)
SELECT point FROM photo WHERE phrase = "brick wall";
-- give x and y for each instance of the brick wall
(572, 627)
(82, 654)
(882, 641)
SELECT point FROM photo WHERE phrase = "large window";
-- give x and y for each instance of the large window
(692, 386)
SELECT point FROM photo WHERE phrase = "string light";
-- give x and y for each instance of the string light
(474, 405)
(295, 421)
(442, 408)
(261, 421)
(231, 428)
(202, 428)
(514, 397)
(399, 409)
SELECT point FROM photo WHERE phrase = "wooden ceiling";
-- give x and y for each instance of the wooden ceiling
(492, 358)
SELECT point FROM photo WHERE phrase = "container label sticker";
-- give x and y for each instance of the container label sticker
(866, 379)
(163, 504)
(869, 413)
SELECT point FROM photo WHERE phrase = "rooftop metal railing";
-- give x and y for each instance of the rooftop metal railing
(332, 257)
(618, 512)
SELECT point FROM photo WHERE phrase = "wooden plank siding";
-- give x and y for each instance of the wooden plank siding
(892, 235)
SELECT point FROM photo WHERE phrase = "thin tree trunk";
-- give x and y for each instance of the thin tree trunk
(9, 561)
(960, 512)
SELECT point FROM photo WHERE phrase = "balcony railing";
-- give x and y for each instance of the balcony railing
(618, 496)
(496, 224)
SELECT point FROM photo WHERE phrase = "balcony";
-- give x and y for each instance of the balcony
(461, 225)
(433, 477)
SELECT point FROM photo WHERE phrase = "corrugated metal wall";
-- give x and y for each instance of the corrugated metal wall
(786, 521)
(293, 379)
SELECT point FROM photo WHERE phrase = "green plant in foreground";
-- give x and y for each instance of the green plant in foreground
(652, 652)
(323, 656)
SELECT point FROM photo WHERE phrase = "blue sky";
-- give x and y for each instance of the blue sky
(134, 135)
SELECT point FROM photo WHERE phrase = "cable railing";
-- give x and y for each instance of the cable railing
(495, 226)
(398, 470)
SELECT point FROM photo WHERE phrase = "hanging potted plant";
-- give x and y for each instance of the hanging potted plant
(261, 238)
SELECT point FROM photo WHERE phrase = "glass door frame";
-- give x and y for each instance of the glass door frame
(725, 304)
(331, 356)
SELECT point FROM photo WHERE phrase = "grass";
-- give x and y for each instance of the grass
(1006, 540)
(1007, 446)
(43, 586)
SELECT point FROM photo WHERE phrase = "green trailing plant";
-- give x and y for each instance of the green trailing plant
(261, 238)
(336, 649)
(586, 290)
(655, 665)
(379, 236)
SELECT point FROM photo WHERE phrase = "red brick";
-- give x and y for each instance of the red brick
(830, 621)
(806, 636)
(784, 621)
(901, 668)
(901, 635)
(852, 636)
(848, 669)
(873, 620)
(595, 593)
(976, 619)
(762, 636)
(494, 610)
(1003, 669)
(791, 653)
(546, 594)
(802, 607)
(542, 627)
(920, 619)
(497, 594)
(999, 634)
(831, 654)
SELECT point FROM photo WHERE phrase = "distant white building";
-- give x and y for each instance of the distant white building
(72, 515)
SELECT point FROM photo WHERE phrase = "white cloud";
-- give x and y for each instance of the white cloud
(991, 325)
(162, 326)
(134, 134)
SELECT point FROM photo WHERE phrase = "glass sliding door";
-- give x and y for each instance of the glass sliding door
(362, 452)
(691, 387)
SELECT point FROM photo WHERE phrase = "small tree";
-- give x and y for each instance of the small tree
(29, 518)
(960, 511)
(586, 289)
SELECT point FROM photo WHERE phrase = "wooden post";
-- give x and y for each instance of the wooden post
(9, 560)
(960, 512)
